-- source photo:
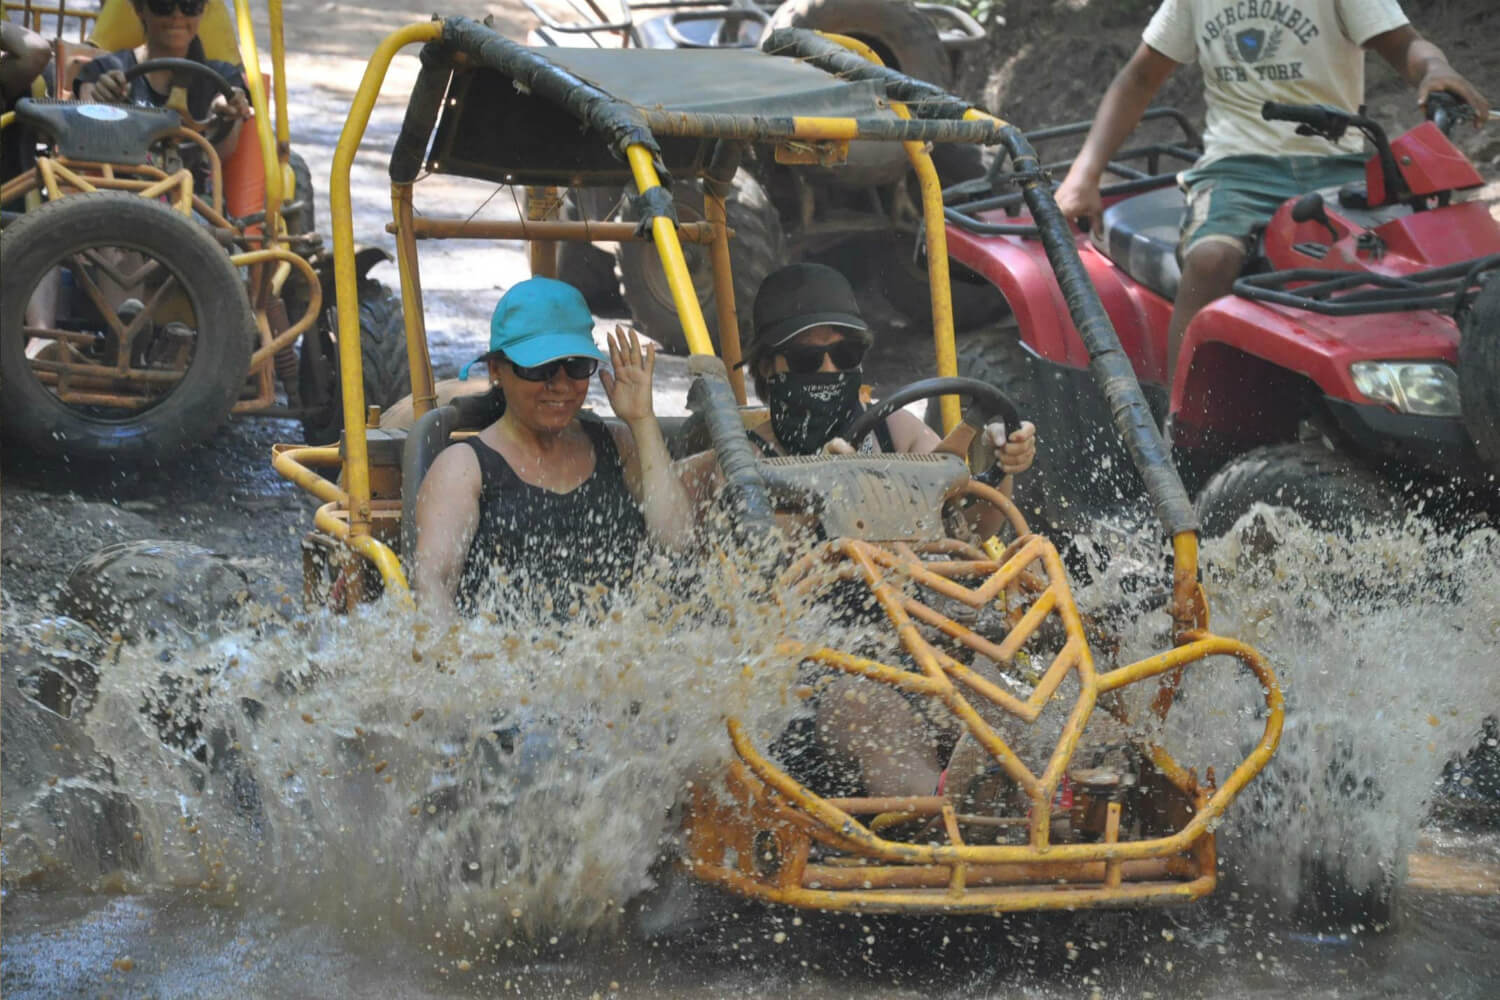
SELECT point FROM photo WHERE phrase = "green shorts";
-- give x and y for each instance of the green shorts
(1229, 197)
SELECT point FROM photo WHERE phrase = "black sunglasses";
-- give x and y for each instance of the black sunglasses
(164, 8)
(846, 354)
(575, 367)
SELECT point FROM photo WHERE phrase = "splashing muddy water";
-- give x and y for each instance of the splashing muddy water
(489, 790)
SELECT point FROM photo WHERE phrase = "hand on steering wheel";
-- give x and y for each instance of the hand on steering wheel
(1013, 452)
(217, 126)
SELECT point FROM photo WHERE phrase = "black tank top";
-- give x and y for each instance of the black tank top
(535, 550)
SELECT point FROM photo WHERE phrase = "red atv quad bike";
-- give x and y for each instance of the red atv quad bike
(1355, 369)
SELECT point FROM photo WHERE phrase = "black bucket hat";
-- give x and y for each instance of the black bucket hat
(799, 297)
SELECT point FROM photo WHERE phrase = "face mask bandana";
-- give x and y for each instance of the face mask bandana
(809, 410)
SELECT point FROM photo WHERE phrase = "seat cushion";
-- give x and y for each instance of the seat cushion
(1141, 235)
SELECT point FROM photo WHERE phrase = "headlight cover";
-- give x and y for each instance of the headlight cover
(1422, 388)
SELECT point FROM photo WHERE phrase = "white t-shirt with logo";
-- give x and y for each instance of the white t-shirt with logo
(1253, 51)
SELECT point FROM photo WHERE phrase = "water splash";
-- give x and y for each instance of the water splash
(474, 780)
(486, 782)
(1387, 647)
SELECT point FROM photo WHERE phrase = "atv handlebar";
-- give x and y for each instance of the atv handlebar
(1446, 110)
(1318, 119)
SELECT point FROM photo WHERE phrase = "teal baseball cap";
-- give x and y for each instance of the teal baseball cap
(540, 320)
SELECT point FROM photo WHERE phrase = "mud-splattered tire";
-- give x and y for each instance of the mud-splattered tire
(387, 374)
(1329, 489)
(756, 250)
(1479, 372)
(197, 403)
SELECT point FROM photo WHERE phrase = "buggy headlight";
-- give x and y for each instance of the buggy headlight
(1424, 388)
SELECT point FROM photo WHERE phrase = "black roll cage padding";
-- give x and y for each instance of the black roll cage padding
(1362, 293)
(989, 401)
(745, 491)
(651, 204)
(925, 100)
(622, 124)
(1108, 363)
(410, 150)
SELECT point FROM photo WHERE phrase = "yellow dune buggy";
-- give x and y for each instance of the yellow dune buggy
(138, 309)
(984, 633)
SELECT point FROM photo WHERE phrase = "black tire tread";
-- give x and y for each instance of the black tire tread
(1328, 488)
(1479, 372)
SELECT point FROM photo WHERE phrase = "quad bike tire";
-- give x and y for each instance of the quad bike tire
(1329, 489)
(757, 249)
(588, 268)
(1479, 372)
(198, 403)
(387, 373)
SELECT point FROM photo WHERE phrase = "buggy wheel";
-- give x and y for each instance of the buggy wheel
(1479, 372)
(588, 268)
(1331, 490)
(755, 251)
(142, 331)
(387, 374)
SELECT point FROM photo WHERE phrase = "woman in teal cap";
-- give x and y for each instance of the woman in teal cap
(546, 503)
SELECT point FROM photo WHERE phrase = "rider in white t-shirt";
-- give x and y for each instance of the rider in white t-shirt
(1253, 51)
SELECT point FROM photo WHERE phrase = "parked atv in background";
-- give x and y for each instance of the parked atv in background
(865, 216)
(137, 313)
(1355, 368)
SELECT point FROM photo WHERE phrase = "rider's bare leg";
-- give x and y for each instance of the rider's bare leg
(870, 724)
(1208, 272)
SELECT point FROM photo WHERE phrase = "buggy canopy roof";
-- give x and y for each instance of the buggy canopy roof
(496, 129)
(550, 115)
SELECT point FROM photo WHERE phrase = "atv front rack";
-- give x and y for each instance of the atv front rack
(1133, 838)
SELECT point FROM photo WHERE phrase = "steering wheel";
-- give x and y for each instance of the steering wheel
(213, 128)
(988, 403)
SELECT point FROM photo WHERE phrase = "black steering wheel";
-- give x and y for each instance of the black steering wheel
(213, 128)
(987, 404)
